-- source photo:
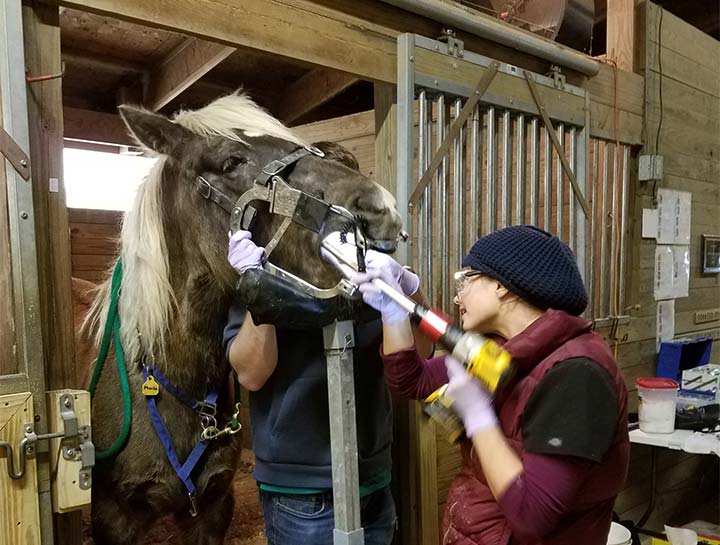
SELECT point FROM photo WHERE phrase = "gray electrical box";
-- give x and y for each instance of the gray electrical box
(650, 168)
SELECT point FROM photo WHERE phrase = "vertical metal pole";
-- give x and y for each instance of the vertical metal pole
(560, 183)
(507, 159)
(614, 231)
(475, 174)
(623, 218)
(520, 168)
(547, 183)
(444, 203)
(427, 195)
(572, 223)
(602, 225)
(339, 341)
(491, 177)
(458, 191)
(534, 171)
(422, 166)
(579, 160)
(590, 278)
(405, 127)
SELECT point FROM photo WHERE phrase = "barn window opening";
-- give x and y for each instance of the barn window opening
(104, 180)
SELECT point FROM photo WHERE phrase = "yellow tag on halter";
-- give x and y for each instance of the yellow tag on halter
(150, 387)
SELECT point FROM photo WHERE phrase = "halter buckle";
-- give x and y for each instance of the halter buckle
(203, 187)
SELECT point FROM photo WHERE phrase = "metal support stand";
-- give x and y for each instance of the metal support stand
(339, 342)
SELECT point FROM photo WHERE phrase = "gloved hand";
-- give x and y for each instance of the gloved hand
(471, 401)
(408, 281)
(391, 312)
(243, 253)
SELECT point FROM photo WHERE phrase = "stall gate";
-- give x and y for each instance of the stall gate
(499, 166)
(45, 451)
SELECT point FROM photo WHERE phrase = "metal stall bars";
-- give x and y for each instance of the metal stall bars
(483, 124)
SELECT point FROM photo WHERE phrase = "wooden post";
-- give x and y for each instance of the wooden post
(386, 136)
(620, 33)
(41, 29)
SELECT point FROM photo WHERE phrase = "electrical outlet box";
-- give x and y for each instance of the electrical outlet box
(650, 168)
(710, 315)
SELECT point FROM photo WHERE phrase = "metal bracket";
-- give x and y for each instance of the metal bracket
(557, 76)
(14, 153)
(455, 46)
(556, 144)
(76, 444)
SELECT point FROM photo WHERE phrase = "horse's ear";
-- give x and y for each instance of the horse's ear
(153, 130)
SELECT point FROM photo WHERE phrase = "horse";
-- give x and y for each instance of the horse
(176, 289)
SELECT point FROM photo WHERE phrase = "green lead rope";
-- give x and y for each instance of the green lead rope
(112, 329)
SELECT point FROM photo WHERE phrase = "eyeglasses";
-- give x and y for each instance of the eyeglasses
(462, 279)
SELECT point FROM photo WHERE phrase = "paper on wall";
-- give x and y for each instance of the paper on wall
(672, 271)
(674, 216)
(665, 321)
(681, 271)
(649, 223)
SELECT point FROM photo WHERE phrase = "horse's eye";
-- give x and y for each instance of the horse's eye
(231, 163)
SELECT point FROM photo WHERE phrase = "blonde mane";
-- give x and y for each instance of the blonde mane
(147, 301)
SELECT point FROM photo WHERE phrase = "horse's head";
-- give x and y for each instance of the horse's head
(228, 143)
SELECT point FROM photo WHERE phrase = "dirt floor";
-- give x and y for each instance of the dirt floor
(246, 527)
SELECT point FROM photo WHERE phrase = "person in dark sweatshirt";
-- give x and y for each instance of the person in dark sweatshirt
(285, 372)
(544, 461)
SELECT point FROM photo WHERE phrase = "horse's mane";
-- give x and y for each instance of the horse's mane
(148, 301)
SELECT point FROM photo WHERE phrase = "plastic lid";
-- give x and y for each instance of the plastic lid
(657, 383)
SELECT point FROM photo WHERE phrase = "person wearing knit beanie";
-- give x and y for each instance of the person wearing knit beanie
(545, 460)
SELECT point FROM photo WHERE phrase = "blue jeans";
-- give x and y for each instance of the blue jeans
(309, 520)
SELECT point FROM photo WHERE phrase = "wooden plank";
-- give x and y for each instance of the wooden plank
(95, 263)
(66, 492)
(181, 68)
(620, 36)
(19, 512)
(96, 127)
(682, 69)
(94, 239)
(630, 89)
(386, 136)
(693, 44)
(84, 215)
(602, 124)
(311, 91)
(339, 128)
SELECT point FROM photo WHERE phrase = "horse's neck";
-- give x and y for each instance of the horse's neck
(193, 346)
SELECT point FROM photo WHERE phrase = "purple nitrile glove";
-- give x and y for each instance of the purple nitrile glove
(407, 280)
(471, 401)
(243, 253)
(390, 311)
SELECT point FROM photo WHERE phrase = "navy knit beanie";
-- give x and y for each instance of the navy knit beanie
(534, 265)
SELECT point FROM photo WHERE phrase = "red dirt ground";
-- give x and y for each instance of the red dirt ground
(247, 527)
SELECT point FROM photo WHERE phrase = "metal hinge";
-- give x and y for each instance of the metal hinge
(455, 46)
(76, 444)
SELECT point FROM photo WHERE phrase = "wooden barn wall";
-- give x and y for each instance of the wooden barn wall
(686, 63)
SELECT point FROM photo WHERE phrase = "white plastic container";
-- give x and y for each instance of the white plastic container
(658, 397)
(619, 535)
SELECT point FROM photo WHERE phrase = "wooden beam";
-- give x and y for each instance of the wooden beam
(621, 33)
(311, 91)
(96, 127)
(104, 63)
(181, 68)
(299, 29)
(41, 31)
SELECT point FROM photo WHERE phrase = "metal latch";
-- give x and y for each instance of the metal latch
(557, 76)
(455, 46)
(76, 445)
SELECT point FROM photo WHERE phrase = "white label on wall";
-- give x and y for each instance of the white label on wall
(665, 321)
(674, 216)
(672, 271)
(54, 185)
(649, 223)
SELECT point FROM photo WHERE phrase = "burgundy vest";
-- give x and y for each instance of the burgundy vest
(472, 516)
